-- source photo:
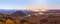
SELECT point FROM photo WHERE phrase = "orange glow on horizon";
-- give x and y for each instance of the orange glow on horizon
(41, 8)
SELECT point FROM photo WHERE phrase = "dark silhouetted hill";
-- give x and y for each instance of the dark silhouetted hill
(18, 14)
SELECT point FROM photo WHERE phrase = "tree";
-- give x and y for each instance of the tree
(8, 21)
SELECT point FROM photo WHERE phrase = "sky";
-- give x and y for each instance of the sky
(29, 4)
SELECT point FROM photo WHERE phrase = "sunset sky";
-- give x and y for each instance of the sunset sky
(29, 4)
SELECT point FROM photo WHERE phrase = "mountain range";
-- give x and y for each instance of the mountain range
(53, 11)
(2, 10)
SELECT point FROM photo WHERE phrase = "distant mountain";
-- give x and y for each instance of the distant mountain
(26, 10)
(53, 11)
(2, 10)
